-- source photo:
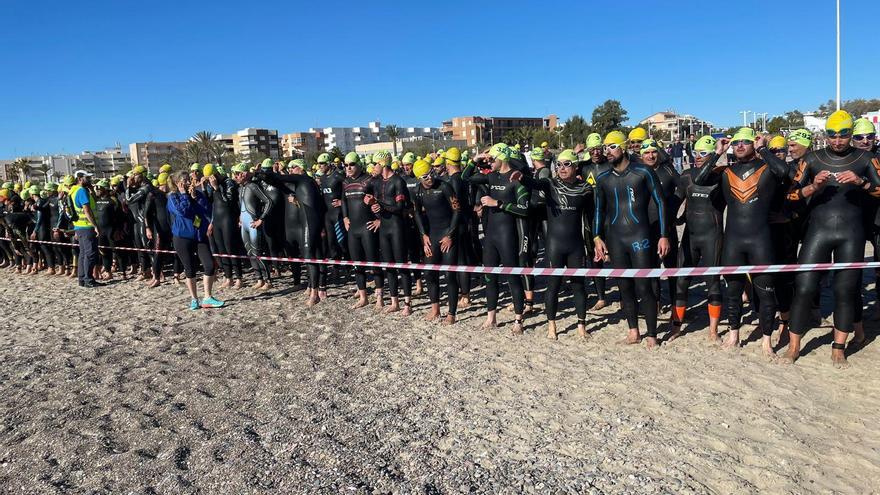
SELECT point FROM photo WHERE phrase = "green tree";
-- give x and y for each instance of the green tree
(22, 168)
(794, 118)
(574, 131)
(776, 124)
(608, 116)
(540, 136)
(335, 152)
(856, 107)
(661, 135)
(393, 132)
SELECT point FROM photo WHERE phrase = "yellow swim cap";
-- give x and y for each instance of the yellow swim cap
(778, 142)
(638, 134)
(163, 179)
(614, 137)
(208, 170)
(420, 168)
(839, 121)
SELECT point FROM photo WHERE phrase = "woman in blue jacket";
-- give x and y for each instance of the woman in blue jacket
(190, 228)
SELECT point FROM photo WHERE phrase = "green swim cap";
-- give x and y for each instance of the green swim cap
(498, 147)
(502, 154)
(567, 156)
(25, 194)
(705, 143)
(352, 158)
(594, 140)
(34, 190)
(324, 158)
(537, 154)
(50, 187)
(864, 126)
(648, 145)
(104, 184)
(267, 163)
(744, 134)
(68, 180)
(802, 137)
(382, 158)
(299, 162)
(409, 158)
(193, 168)
(240, 168)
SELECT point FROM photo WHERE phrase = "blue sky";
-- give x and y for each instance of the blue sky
(85, 75)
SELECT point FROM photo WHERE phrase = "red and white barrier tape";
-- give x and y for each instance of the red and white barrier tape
(553, 272)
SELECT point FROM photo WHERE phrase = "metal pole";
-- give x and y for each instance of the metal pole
(838, 54)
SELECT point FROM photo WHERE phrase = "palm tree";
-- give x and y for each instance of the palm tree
(44, 171)
(22, 168)
(393, 132)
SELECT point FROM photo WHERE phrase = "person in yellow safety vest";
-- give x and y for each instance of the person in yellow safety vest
(85, 228)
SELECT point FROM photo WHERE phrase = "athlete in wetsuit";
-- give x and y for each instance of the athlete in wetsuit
(536, 222)
(136, 199)
(651, 155)
(108, 219)
(362, 227)
(273, 229)
(623, 232)
(311, 208)
(566, 200)
(47, 223)
(748, 185)
(595, 164)
(838, 180)
(436, 215)
(254, 207)
(506, 202)
(413, 238)
(390, 200)
(464, 240)
(701, 240)
(158, 230)
(222, 191)
(864, 138)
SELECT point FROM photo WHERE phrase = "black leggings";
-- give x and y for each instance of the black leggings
(565, 257)
(635, 251)
(784, 252)
(305, 242)
(363, 245)
(699, 250)
(108, 255)
(432, 277)
(225, 241)
(48, 250)
(536, 226)
(187, 249)
(392, 247)
(847, 244)
(466, 256)
(754, 248)
(161, 259)
(141, 242)
(253, 240)
(502, 250)
(669, 261)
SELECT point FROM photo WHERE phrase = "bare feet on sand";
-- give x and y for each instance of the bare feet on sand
(517, 328)
(651, 342)
(633, 337)
(360, 303)
(600, 304)
(732, 340)
(449, 320)
(551, 330)
(767, 347)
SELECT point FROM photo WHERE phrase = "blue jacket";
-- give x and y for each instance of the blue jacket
(186, 213)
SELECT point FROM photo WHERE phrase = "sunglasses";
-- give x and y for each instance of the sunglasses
(566, 164)
(843, 133)
(741, 142)
(351, 164)
(612, 147)
(597, 149)
(635, 141)
(778, 150)
(864, 137)
(702, 154)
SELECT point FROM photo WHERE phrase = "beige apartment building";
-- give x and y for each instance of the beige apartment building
(153, 154)
(678, 126)
(296, 144)
(252, 141)
(479, 131)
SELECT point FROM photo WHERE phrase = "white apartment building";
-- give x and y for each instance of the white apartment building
(349, 138)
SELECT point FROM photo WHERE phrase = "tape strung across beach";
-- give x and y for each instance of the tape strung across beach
(552, 272)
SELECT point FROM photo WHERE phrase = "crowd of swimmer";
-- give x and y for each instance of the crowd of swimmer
(613, 201)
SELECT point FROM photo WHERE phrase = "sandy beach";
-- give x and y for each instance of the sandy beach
(122, 390)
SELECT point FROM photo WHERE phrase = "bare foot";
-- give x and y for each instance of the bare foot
(633, 337)
(379, 306)
(407, 310)
(312, 301)
(449, 320)
(266, 286)
(838, 356)
(551, 331)
(464, 302)
(489, 323)
(153, 284)
(651, 342)
(673, 334)
(582, 332)
(361, 302)
(322, 295)
(418, 290)
(600, 304)
(432, 315)
(714, 338)
(517, 328)
(392, 308)
(259, 285)
(767, 348)
(732, 340)
(791, 355)
(238, 284)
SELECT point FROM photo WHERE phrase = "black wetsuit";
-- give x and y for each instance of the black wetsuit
(669, 178)
(504, 231)
(589, 170)
(311, 210)
(46, 222)
(136, 199)
(393, 197)
(254, 205)
(159, 222)
(273, 228)
(224, 216)
(536, 225)
(331, 189)
(108, 218)
(363, 244)
(835, 230)
(622, 221)
(437, 214)
(415, 253)
(465, 241)
(566, 212)
(703, 233)
(748, 189)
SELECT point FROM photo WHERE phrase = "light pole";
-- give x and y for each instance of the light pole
(838, 54)
(745, 117)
